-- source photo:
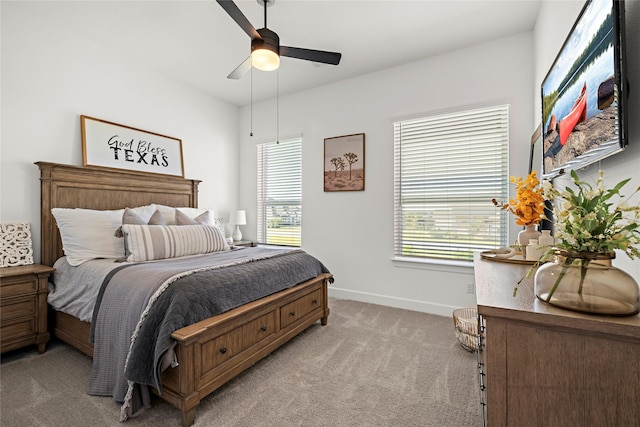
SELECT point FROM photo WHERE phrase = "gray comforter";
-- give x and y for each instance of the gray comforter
(141, 305)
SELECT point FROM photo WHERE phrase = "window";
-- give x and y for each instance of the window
(447, 169)
(280, 193)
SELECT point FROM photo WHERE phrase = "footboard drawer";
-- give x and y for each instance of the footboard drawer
(232, 343)
(290, 313)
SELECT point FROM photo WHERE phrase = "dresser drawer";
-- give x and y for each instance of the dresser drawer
(299, 308)
(18, 307)
(234, 342)
(18, 286)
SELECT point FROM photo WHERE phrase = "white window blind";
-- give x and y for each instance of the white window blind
(280, 193)
(448, 167)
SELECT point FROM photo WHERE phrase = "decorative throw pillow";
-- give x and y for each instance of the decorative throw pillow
(219, 222)
(169, 213)
(131, 217)
(143, 212)
(89, 234)
(157, 219)
(183, 219)
(151, 242)
(202, 216)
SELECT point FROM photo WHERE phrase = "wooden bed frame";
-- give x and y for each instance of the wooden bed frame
(210, 352)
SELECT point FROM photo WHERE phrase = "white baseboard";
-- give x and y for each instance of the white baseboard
(407, 304)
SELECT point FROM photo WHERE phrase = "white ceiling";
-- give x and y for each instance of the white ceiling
(198, 43)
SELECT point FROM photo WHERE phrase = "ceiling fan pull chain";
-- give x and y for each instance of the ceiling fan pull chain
(278, 106)
(251, 107)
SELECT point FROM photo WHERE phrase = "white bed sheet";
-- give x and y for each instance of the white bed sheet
(74, 290)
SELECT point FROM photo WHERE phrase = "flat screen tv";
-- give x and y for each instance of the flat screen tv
(584, 93)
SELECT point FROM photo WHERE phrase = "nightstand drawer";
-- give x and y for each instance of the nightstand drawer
(18, 286)
(23, 328)
(18, 307)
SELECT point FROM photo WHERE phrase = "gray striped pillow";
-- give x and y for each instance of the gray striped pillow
(150, 242)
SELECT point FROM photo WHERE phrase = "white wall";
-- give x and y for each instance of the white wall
(554, 22)
(352, 232)
(50, 76)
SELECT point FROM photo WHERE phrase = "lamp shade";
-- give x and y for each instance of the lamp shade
(238, 218)
(265, 52)
(265, 59)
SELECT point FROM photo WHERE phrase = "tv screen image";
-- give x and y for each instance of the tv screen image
(583, 95)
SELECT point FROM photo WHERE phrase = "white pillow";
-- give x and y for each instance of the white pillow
(89, 234)
(84, 232)
(150, 242)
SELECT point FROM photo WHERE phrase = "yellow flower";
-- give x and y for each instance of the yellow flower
(528, 206)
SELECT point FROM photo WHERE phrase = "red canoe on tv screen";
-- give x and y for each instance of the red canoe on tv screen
(577, 114)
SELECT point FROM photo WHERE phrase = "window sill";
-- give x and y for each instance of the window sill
(434, 264)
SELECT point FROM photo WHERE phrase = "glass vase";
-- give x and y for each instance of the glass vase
(588, 283)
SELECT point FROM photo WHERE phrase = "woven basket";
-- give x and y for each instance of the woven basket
(465, 321)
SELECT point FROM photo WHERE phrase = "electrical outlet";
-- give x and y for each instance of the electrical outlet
(471, 288)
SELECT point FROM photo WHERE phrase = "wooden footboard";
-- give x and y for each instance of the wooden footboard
(215, 350)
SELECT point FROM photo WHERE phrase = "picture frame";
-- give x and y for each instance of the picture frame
(115, 146)
(344, 163)
(535, 153)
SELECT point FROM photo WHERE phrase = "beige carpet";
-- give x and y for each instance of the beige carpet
(370, 366)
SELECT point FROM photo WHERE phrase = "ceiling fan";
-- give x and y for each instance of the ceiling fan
(265, 44)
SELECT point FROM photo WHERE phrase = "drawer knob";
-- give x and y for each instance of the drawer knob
(314, 301)
(223, 350)
(293, 313)
(263, 328)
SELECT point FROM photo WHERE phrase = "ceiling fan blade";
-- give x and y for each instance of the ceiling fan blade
(234, 12)
(332, 58)
(240, 70)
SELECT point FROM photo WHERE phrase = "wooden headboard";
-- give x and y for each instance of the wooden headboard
(66, 186)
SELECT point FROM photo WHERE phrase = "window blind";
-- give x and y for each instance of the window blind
(447, 168)
(280, 193)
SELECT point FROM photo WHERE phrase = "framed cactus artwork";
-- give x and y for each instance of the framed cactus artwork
(344, 163)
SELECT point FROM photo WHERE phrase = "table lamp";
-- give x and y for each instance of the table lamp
(237, 218)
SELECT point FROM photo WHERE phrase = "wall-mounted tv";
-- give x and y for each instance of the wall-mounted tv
(584, 93)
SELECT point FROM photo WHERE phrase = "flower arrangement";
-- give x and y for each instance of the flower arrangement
(589, 226)
(528, 206)
(588, 221)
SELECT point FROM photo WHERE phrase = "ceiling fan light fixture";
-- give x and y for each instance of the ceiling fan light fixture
(265, 52)
(265, 59)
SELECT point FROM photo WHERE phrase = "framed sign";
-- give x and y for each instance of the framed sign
(344, 163)
(116, 146)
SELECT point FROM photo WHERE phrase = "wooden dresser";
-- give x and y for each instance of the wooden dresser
(23, 311)
(544, 366)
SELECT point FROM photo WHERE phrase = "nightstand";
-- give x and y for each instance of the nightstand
(23, 306)
(246, 243)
